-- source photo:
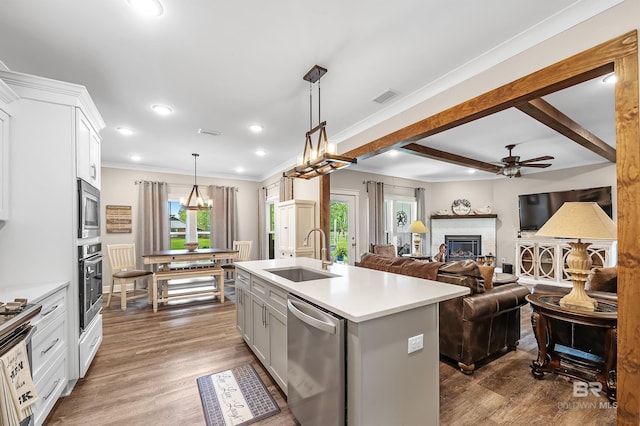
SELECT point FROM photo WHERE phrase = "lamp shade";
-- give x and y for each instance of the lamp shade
(418, 227)
(580, 220)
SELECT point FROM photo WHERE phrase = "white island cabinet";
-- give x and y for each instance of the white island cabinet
(385, 383)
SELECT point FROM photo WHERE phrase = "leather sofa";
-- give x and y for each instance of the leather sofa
(474, 327)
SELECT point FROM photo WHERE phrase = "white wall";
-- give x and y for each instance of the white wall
(119, 188)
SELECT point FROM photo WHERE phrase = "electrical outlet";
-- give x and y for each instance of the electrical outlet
(416, 343)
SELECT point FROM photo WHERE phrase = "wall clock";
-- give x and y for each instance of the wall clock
(461, 207)
(401, 218)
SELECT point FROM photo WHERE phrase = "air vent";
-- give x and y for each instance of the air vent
(209, 132)
(385, 96)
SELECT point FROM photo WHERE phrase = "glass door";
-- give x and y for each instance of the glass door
(342, 228)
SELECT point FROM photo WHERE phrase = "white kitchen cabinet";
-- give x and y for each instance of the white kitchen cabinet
(49, 347)
(545, 260)
(87, 150)
(4, 165)
(243, 306)
(269, 321)
(295, 219)
(44, 115)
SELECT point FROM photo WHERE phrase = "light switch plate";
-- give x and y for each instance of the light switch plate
(416, 343)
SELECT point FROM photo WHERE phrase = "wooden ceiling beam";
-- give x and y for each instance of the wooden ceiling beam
(424, 151)
(547, 114)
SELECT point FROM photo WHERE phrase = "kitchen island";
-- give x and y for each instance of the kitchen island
(389, 379)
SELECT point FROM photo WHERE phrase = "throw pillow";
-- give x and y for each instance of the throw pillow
(487, 275)
(603, 279)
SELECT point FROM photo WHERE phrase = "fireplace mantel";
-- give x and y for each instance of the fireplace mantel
(466, 216)
(470, 224)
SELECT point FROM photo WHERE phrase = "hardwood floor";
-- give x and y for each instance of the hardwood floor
(146, 369)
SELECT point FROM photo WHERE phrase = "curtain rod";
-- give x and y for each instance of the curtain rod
(364, 182)
(187, 185)
(271, 185)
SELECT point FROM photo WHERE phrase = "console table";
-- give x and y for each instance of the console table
(575, 364)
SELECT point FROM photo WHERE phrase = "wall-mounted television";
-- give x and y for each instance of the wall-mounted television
(536, 209)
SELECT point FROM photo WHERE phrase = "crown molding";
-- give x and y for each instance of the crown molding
(27, 86)
(7, 95)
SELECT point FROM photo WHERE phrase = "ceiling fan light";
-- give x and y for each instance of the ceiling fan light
(510, 171)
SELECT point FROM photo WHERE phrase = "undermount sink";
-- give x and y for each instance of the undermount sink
(298, 274)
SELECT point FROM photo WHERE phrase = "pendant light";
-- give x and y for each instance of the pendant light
(319, 160)
(195, 201)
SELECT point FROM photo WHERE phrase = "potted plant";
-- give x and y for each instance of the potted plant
(339, 253)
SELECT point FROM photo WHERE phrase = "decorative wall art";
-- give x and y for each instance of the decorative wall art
(118, 219)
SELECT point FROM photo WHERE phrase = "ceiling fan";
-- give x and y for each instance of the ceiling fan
(511, 163)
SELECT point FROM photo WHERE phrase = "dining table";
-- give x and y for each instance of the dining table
(183, 264)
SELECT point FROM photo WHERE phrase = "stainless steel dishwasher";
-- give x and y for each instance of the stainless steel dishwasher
(316, 367)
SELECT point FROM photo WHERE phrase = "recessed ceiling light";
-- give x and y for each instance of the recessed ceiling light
(125, 131)
(610, 79)
(135, 157)
(261, 152)
(147, 7)
(239, 170)
(255, 128)
(471, 171)
(162, 109)
(393, 153)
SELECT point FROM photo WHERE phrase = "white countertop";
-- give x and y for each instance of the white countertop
(34, 293)
(357, 294)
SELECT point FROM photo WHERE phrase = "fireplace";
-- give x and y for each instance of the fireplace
(461, 247)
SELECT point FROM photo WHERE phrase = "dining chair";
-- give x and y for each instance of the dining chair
(244, 251)
(122, 258)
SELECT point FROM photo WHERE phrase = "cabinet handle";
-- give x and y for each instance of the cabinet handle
(55, 385)
(51, 346)
(95, 341)
(240, 297)
(94, 174)
(53, 308)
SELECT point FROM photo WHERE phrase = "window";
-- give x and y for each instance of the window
(399, 211)
(188, 226)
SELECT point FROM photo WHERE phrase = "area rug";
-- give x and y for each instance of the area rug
(235, 397)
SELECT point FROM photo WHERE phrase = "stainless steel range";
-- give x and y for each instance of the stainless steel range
(15, 327)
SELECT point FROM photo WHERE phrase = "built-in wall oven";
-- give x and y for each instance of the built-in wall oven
(90, 279)
(88, 210)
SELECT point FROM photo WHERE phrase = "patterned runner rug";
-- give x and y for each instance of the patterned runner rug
(235, 397)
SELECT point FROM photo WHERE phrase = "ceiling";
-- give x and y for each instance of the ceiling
(224, 66)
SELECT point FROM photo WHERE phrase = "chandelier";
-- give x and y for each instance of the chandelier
(195, 201)
(322, 159)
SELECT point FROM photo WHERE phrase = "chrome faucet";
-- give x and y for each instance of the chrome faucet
(323, 251)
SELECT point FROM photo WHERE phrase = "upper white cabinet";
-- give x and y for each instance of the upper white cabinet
(4, 165)
(295, 219)
(87, 150)
(545, 260)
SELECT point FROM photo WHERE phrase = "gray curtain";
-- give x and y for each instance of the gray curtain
(375, 192)
(420, 200)
(421, 215)
(153, 217)
(224, 216)
(286, 188)
(262, 223)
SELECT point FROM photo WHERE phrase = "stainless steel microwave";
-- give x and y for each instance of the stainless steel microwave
(88, 210)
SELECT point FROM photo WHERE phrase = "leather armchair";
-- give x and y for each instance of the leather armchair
(480, 325)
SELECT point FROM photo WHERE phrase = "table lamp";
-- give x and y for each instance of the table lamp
(417, 227)
(579, 220)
